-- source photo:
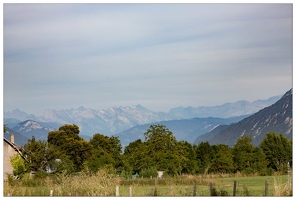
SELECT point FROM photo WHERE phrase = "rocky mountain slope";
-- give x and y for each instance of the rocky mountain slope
(31, 128)
(39, 130)
(275, 118)
(209, 135)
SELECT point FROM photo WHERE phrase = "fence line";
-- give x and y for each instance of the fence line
(171, 190)
(194, 189)
(266, 188)
(234, 188)
(211, 189)
(117, 191)
(130, 191)
(153, 191)
(213, 192)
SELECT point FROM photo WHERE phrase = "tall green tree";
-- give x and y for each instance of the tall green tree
(67, 140)
(160, 138)
(131, 148)
(259, 161)
(247, 158)
(243, 153)
(204, 156)
(58, 138)
(188, 164)
(134, 157)
(161, 148)
(107, 151)
(223, 159)
(278, 150)
(39, 154)
(111, 144)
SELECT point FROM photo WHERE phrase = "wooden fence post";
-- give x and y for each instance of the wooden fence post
(266, 188)
(234, 188)
(194, 189)
(151, 192)
(117, 190)
(211, 188)
(130, 191)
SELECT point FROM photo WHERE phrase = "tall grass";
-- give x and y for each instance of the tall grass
(100, 184)
(104, 182)
(282, 189)
(176, 180)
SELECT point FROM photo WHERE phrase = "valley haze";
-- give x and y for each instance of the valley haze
(117, 119)
(188, 124)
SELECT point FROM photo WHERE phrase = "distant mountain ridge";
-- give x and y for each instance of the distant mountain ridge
(27, 129)
(183, 129)
(275, 118)
(31, 128)
(225, 110)
(114, 120)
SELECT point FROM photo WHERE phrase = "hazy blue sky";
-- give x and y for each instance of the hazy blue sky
(63, 56)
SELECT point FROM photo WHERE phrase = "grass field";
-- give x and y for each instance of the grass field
(104, 185)
(245, 186)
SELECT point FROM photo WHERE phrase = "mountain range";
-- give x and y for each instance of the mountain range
(31, 128)
(115, 120)
(226, 110)
(275, 118)
(183, 129)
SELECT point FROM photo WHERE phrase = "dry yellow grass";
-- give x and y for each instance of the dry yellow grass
(104, 183)
(284, 189)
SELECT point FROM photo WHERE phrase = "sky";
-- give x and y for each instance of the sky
(63, 56)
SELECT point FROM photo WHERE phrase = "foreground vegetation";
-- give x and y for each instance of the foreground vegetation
(66, 150)
(67, 165)
(104, 183)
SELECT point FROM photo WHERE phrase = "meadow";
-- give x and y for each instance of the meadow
(222, 185)
(105, 184)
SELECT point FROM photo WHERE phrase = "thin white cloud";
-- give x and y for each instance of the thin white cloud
(144, 52)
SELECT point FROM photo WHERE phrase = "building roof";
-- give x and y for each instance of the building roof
(15, 147)
(19, 139)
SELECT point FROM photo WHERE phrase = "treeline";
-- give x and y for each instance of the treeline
(65, 151)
